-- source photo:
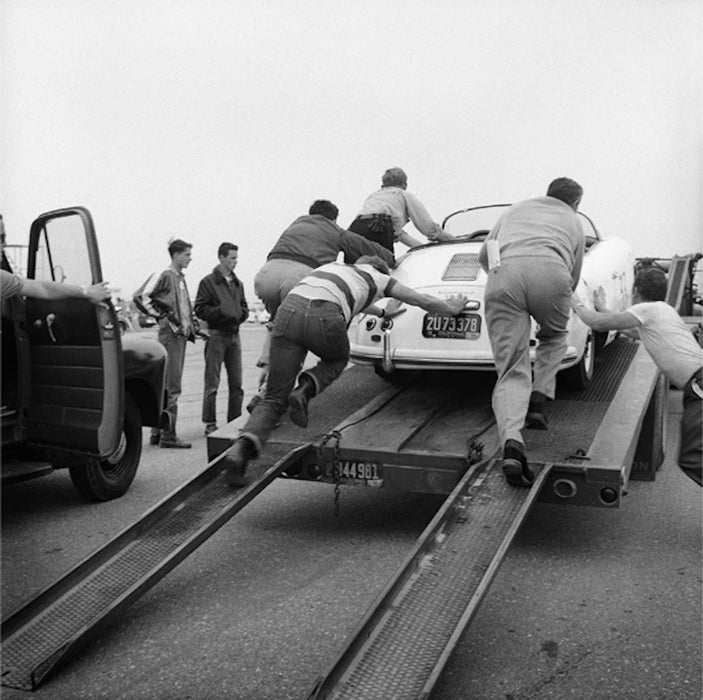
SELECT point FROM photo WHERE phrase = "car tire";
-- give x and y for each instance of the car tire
(580, 375)
(105, 479)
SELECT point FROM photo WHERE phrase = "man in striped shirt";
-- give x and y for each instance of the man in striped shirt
(315, 317)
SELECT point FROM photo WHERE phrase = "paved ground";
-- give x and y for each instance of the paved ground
(589, 603)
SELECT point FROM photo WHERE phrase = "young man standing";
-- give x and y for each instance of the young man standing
(670, 344)
(220, 302)
(177, 326)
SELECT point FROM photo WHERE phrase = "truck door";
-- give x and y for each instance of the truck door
(71, 379)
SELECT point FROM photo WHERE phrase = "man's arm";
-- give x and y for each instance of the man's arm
(205, 306)
(423, 221)
(603, 320)
(44, 289)
(354, 245)
(451, 307)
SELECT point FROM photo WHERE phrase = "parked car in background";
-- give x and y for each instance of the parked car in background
(75, 391)
(418, 340)
(258, 313)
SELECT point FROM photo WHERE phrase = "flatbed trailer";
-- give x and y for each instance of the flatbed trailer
(433, 434)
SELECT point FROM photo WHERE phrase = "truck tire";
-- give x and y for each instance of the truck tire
(579, 376)
(105, 479)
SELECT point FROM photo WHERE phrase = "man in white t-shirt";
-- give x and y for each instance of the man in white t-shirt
(315, 317)
(670, 344)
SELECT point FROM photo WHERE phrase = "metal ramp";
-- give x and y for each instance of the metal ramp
(403, 644)
(37, 636)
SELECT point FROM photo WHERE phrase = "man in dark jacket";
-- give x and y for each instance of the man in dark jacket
(310, 241)
(220, 302)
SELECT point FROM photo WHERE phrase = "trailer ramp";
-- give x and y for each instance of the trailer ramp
(403, 644)
(37, 636)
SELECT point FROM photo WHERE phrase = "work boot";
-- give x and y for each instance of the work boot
(515, 467)
(155, 437)
(174, 442)
(298, 400)
(236, 461)
(255, 401)
(535, 419)
(210, 428)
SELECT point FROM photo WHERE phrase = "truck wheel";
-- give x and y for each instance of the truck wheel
(579, 376)
(105, 479)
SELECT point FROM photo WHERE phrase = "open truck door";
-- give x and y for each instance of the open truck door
(72, 388)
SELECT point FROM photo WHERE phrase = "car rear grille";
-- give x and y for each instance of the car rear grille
(462, 267)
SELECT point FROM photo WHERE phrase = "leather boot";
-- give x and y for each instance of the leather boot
(535, 419)
(298, 400)
(236, 461)
(515, 467)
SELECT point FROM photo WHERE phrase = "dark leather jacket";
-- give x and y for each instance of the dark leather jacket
(165, 300)
(222, 307)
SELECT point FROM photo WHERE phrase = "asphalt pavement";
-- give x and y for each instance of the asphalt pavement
(589, 603)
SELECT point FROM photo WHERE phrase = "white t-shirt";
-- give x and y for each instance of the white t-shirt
(668, 340)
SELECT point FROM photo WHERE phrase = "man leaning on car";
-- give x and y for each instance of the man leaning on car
(533, 258)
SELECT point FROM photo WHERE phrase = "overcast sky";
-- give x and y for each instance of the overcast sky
(215, 120)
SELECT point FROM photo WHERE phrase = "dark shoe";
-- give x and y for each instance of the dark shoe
(154, 438)
(175, 443)
(515, 468)
(298, 401)
(535, 419)
(210, 428)
(236, 462)
(255, 401)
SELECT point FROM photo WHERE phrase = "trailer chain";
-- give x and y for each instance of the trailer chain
(335, 435)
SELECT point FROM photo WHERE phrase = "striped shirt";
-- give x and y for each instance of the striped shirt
(352, 287)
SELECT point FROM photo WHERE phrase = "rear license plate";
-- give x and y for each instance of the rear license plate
(466, 326)
(362, 471)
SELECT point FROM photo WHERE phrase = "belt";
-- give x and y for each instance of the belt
(366, 217)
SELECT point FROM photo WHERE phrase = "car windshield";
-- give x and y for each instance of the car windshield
(475, 223)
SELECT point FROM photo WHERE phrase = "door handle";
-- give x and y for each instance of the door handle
(50, 319)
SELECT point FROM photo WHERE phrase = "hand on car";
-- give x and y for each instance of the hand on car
(97, 293)
(457, 302)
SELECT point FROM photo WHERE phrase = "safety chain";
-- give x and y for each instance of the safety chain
(335, 435)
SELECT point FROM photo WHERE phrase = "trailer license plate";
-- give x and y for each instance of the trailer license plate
(466, 326)
(365, 471)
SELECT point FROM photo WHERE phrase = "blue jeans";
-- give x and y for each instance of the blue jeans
(175, 345)
(223, 347)
(301, 325)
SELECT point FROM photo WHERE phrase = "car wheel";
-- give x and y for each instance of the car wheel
(105, 479)
(579, 376)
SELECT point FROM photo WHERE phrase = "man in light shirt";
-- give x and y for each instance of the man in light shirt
(670, 344)
(386, 211)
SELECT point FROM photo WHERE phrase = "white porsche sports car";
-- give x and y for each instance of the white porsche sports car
(418, 340)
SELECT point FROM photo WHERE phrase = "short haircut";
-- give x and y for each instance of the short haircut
(224, 249)
(394, 177)
(325, 208)
(565, 189)
(178, 246)
(651, 283)
(375, 262)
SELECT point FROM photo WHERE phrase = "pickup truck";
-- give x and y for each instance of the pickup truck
(75, 391)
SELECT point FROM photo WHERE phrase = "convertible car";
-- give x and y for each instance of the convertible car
(417, 340)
